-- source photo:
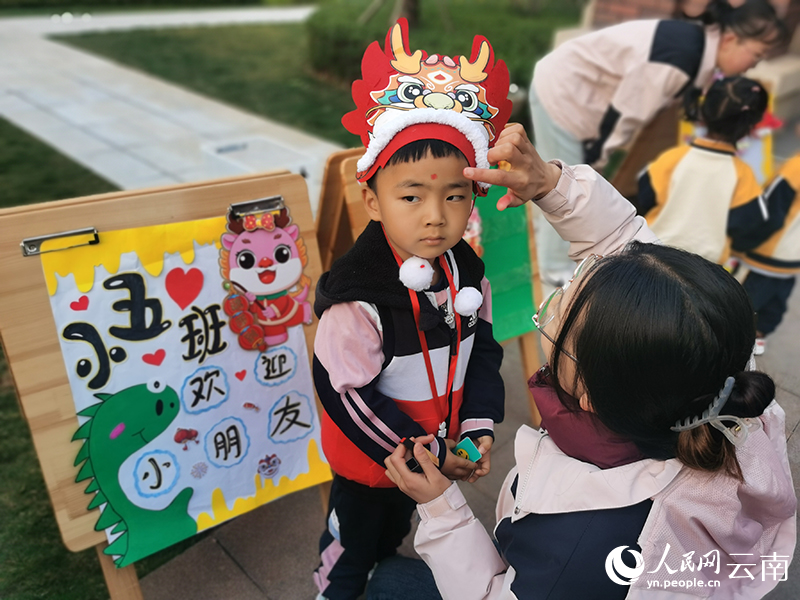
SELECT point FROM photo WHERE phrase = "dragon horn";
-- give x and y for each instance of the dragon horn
(403, 62)
(473, 71)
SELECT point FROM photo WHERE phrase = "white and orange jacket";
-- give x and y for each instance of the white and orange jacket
(603, 87)
(689, 192)
(772, 246)
(560, 518)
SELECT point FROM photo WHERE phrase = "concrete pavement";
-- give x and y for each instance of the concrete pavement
(133, 129)
(137, 131)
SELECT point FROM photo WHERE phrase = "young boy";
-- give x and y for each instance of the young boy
(404, 346)
(771, 248)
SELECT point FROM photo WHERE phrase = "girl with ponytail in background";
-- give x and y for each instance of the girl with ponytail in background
(692, 195)
(649, 349)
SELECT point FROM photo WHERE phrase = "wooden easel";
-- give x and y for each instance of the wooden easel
(31, 343)
(333, 224)
(348, 192)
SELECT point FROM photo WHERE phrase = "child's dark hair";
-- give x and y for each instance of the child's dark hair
(752, 20)
(656, 332)
(730, 109)
(417, 150)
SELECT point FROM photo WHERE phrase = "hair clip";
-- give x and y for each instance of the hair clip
(736, 434)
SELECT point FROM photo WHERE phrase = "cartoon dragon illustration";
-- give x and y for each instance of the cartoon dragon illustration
(400, 88)
(119, 425)
(261, 260)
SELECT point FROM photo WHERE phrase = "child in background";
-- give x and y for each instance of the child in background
(404, 346)
(769, 245)
(687, 193)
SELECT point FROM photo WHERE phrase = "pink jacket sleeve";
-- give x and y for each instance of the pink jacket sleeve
(587, 211)
(458, 549)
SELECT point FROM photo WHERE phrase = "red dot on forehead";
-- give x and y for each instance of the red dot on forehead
(434, 176)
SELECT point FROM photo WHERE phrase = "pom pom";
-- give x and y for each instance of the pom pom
(468, 300)
(416, 274)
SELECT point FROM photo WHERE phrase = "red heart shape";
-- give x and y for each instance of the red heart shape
(240, 375)
(184, 287)
(81, 303)
(156, 358)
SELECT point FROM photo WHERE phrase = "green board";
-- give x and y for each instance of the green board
(506, 253)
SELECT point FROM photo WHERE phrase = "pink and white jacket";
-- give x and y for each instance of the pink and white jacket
(682, 511)
(603, 87)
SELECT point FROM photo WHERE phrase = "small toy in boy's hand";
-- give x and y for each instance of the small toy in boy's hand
(412, 463)
(466, 449)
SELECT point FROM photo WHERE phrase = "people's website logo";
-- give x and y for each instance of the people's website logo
(771, 568)
(618, 571)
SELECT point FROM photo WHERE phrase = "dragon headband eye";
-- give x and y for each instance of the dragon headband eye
(406, 96)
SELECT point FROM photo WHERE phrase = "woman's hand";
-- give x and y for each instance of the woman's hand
(529, 177)
(485, 462)
(422, 487)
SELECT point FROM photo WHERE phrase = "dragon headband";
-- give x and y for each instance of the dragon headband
(403, 97)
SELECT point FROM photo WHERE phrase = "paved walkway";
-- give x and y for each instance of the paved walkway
(132, 129)
(137, 131)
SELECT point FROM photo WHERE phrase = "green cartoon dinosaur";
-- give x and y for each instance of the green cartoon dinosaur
(118, 426)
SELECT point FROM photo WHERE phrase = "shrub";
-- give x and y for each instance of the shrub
(337, 41)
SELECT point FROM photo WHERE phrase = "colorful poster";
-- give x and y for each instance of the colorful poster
(187, 361)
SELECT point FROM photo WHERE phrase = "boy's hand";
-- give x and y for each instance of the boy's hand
(456, 467)
(484, 463)
(422, 487)
(529, 177)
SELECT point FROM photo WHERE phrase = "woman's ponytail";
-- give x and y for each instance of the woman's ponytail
(753, 19)
(717, 12)
(705, 448)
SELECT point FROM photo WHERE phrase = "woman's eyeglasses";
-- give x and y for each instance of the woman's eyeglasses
(549, 307)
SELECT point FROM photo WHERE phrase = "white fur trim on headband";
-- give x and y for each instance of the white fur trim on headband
(393, 121)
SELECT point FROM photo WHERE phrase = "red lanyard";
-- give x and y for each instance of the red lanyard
(441, 401)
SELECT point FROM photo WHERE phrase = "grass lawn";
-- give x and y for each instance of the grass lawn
(31, 171)
(33, 561)
(264, 69)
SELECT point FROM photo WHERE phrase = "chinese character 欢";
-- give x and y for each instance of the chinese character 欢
(204, 386)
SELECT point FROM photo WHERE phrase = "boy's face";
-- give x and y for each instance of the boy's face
(424, 205)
